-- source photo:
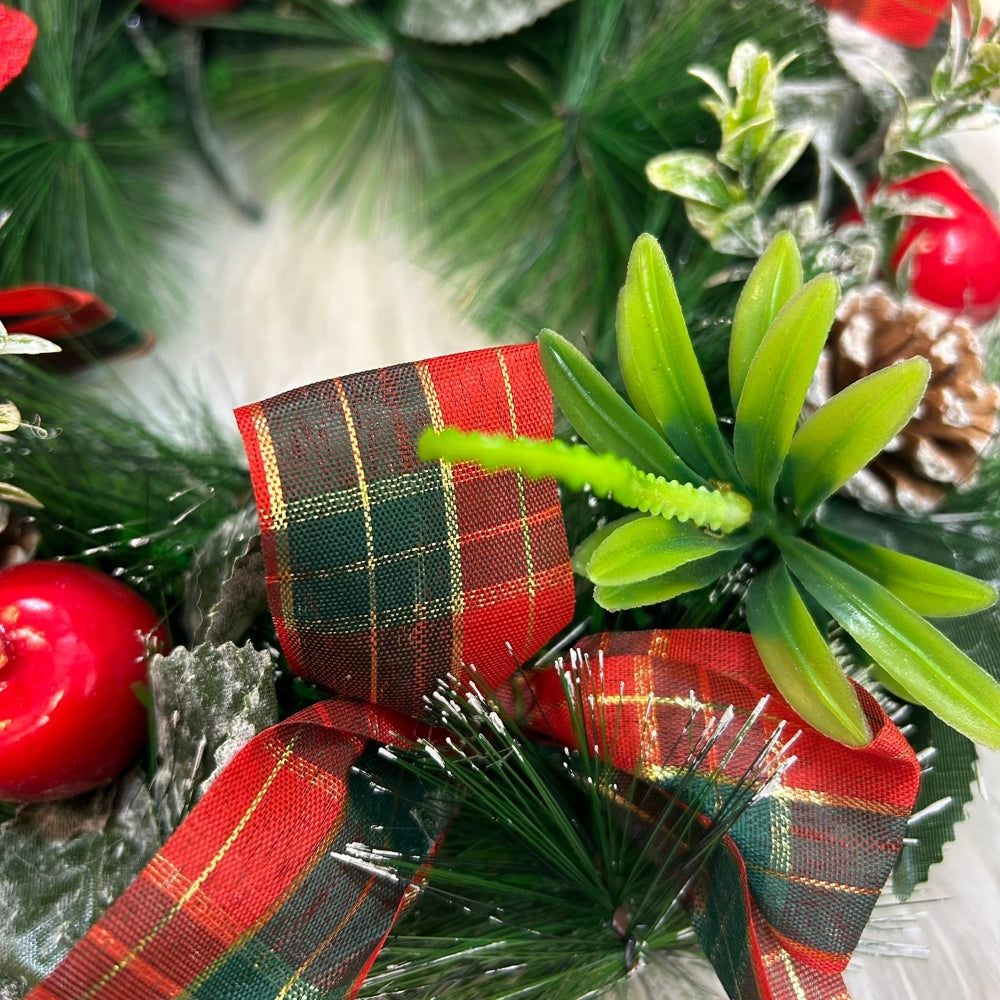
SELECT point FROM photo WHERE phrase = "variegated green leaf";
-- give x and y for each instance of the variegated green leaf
(691, 176)
(600, 416)
(10, 418)
(777, 381)
(659, 365)
(692, 576)
(779, 157)
(776, 277)
(927, 588)
(908, 648)
(652, 547)
(799, 661)
(849, 430)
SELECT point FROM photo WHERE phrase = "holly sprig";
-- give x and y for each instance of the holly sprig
(779, 470)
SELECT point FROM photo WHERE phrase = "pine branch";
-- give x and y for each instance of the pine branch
(83, 147)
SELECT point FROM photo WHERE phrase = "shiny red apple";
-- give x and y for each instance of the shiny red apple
(952, 262)
(72, 645)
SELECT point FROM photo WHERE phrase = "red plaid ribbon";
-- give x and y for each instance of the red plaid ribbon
(909, 22)
(385, 574)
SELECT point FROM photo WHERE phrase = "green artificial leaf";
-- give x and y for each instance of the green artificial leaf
(850, 429)
(713, 81)
(652, 547)
(693, 576)
(779, 157)
(736, 230)
(691, 176)
(208, 702)
(927, 588)
(225, 589)
(908, 648)
(777, 381)
(62, 864)
(600, 416)
(659, 366)
(775, 278)
(799, 660)
(585, 550)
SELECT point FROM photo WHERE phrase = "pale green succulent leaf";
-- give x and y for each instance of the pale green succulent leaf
(652, 547)
(849, 430)
(601, 416)
(907, 647)
(692, 576)
(775, 278)
(925, 587)
(659, 366)
(777, 381)
(799, 660)
(583, 553)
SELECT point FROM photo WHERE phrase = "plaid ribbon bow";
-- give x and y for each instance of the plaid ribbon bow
(385, 574)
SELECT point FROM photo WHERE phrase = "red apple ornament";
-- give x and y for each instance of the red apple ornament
(954, 262)
(72, 645)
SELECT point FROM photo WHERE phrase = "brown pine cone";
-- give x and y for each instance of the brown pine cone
(940, 448)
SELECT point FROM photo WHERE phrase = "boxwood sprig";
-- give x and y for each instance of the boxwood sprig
(702, 501)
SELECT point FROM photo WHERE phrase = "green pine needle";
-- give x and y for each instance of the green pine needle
(559, 874)
(83, 159)
(121, 490)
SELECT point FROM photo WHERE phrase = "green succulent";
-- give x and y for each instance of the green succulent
(702, 502)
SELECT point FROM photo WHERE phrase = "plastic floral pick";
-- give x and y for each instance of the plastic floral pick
(702, 504)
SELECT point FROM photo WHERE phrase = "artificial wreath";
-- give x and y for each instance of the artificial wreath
(522, 671)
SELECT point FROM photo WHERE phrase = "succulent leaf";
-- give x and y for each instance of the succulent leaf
(692, 576)
(908, 648)
(850, 429)
(799, 660)
(775, 278)
(777, 381)
(600, 416)
(652, 547)
(659, 365)
(927, 588)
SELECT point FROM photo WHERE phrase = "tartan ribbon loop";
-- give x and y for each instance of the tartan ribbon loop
(785, 899)
(386, 574)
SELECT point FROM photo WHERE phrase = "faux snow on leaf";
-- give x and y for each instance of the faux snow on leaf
(466, 21)
(208, 702)
(62, 864)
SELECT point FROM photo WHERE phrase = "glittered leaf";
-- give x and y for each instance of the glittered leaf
(208, 702)
(61, 865)
(465, 21)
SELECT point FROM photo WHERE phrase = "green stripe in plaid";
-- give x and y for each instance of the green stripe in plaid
(385, 572)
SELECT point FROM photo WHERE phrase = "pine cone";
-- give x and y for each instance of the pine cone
(942, 445)
(19, 537)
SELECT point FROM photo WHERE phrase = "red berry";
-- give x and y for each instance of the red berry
(184, 10)
(71, 648)
(953, 263)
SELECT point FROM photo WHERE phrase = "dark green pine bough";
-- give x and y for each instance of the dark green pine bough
(701, 502)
